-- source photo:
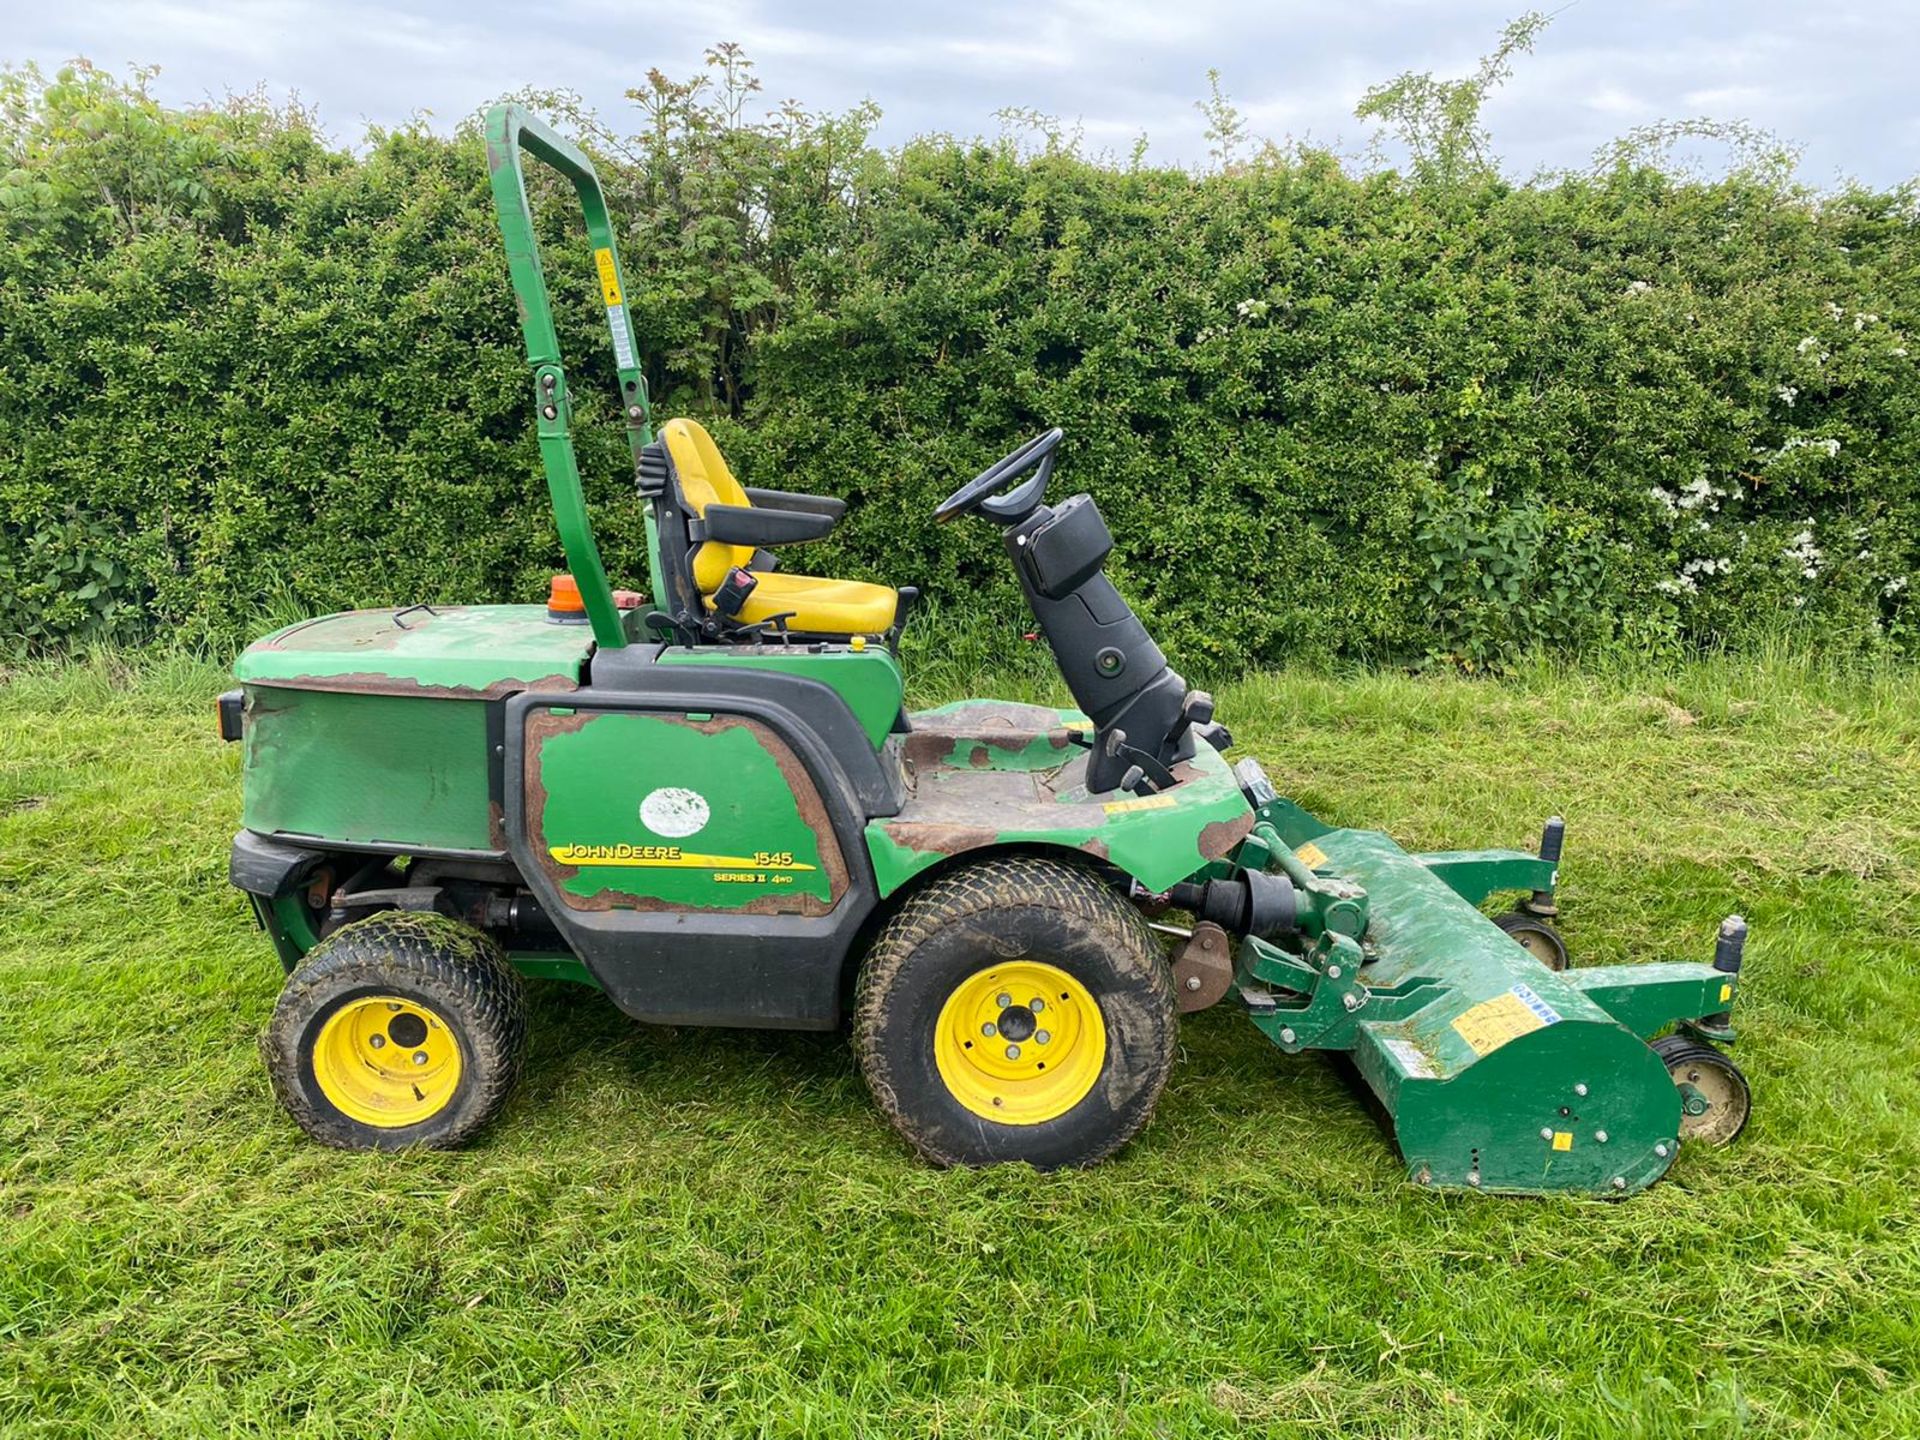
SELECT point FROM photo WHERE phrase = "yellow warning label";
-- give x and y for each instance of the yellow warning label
(1311, 855)
(1496, 1022)
(1726, 992)
(1563, 1139)
(1144, 802)
(672, 857)
(609, 275)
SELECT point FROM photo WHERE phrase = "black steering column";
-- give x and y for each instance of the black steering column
(1145, 719)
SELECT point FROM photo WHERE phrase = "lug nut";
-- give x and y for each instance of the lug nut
(989, 1029)
(378, 1042)
(419, 1057)
(1036, 1005)
(1013, 1052)
(1041, 1037)
(1003, 1001)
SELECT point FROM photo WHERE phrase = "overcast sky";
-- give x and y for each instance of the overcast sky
(1836, 76)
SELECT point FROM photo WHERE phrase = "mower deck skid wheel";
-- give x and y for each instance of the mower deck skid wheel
(400, 1029)
(1715, 1101)
(1016, 1009)
(1536, 937)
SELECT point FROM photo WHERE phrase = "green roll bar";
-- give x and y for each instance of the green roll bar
(509, 131)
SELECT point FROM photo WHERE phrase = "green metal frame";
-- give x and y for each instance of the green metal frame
(511, 130)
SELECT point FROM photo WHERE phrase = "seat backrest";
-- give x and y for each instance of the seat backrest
(705, 480)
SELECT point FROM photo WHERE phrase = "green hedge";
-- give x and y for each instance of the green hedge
(1394, 414)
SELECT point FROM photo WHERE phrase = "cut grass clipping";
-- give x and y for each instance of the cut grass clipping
(712, 1233)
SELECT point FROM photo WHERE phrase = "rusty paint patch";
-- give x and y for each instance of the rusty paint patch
(979, 757)
(938, 837)
(1219, 837)
(925, 750)
(370, 682)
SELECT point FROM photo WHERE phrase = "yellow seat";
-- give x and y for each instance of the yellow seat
(813, 605)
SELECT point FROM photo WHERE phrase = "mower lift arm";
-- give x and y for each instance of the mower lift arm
(511, 130)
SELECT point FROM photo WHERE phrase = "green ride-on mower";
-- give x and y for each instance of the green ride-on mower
(714, 808)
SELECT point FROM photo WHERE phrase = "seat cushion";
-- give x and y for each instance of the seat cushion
(821, 607)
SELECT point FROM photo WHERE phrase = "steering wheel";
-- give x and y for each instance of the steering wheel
(1016, 505)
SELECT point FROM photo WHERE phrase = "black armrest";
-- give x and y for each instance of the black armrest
(755, 525)
(805, 504)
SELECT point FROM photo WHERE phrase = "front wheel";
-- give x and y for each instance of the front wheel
(1016, 1010)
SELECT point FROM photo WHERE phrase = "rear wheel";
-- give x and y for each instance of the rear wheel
(399, 1029)
(1013, 1010)
(1715, 1101)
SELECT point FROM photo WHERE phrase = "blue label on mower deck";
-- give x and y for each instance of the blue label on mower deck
(1548, 1015)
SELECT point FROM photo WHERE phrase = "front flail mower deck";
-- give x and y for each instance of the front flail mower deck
(1496, 1071)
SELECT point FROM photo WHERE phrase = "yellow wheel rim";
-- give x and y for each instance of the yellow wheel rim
(386, 1061)
(1020, 1042)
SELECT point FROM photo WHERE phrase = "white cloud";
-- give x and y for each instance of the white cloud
(1836, 76)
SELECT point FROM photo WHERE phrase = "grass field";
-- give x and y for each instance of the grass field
(676, 1232)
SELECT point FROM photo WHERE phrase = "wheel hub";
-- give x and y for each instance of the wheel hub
(386, 1061)
(1020, 1042)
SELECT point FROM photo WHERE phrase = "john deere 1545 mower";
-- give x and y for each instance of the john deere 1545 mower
(714, 808)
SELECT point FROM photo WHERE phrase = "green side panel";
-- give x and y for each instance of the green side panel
(976, 785)
(467, 650)
(868, 680)
(669, 812)
(1501, 1123)
(367, 769)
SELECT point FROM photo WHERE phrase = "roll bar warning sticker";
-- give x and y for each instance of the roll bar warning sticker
(616, 308)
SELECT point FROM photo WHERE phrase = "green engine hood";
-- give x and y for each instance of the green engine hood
(451, 651)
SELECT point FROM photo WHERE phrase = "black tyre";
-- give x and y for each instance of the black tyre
(1536, 937)
(1716, 1101)
(1016, 1010)
(400, 1029)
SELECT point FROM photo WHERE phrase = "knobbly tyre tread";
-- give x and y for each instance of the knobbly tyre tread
(1010, 888)
(457, 970)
